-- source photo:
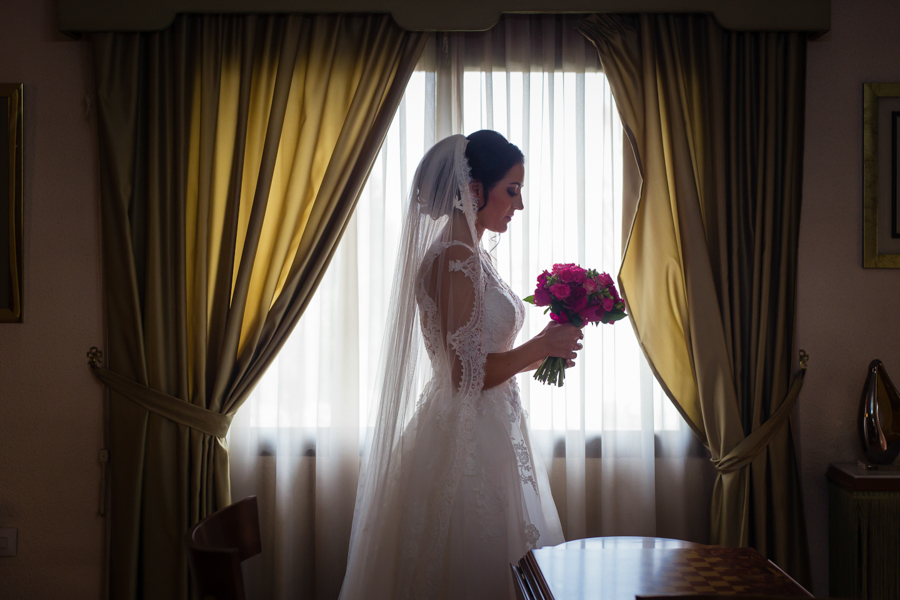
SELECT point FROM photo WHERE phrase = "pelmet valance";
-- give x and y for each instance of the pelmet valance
(463, 15)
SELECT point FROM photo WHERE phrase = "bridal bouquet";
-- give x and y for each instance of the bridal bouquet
(578, 296)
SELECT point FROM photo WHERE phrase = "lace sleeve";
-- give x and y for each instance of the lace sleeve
(461, 307)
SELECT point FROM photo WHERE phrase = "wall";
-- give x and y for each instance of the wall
(50, 406)
(846, 315)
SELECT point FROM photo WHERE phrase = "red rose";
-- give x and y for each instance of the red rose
(577, 299)
(592, 313)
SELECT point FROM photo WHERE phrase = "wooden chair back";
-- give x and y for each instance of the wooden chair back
(519, 584)
(216, 547)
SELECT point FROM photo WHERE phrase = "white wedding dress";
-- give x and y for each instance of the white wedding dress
(457, 542)
(452, 492)
(502, 506)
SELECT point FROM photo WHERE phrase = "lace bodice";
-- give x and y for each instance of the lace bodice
(504, 312)
(493, 331)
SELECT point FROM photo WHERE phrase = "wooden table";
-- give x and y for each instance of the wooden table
(620, 568)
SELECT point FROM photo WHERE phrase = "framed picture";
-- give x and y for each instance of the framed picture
(11, 248)
(881, 175)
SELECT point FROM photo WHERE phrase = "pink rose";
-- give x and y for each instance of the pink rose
(542, 278)
(542, 297)
(590, 286)
(604, 280)
(578, 305)
(559, 318)
(608, 304)
(560, 290)
(572, 274)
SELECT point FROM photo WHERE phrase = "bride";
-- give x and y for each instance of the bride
(451, 492)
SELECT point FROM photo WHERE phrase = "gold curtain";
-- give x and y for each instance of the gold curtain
(232, 153)
(715, 121)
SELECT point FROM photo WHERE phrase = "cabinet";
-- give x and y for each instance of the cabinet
(863, 532)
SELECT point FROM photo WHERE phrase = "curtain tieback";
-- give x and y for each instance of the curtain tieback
(744, 453)
(169, 407)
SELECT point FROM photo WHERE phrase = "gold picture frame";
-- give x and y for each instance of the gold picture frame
(881, 173)
(11, 193)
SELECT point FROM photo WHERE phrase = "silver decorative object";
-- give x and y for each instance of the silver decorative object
(879, 417)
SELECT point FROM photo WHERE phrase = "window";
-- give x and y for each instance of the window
(565, 121)
(609, 438)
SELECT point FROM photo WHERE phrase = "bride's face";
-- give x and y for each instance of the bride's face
(503, 201)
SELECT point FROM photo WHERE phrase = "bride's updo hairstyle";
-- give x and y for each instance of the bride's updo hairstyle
(485, 157)
(490, 157)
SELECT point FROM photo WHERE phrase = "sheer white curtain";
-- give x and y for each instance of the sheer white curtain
(620, 459)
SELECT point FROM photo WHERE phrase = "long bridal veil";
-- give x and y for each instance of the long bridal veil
(396, 543)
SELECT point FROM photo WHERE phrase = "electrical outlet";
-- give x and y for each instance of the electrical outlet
(8, 541)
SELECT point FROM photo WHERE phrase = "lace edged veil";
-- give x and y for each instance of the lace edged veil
(437, 288)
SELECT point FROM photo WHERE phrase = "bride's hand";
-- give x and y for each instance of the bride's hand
(561, 340)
